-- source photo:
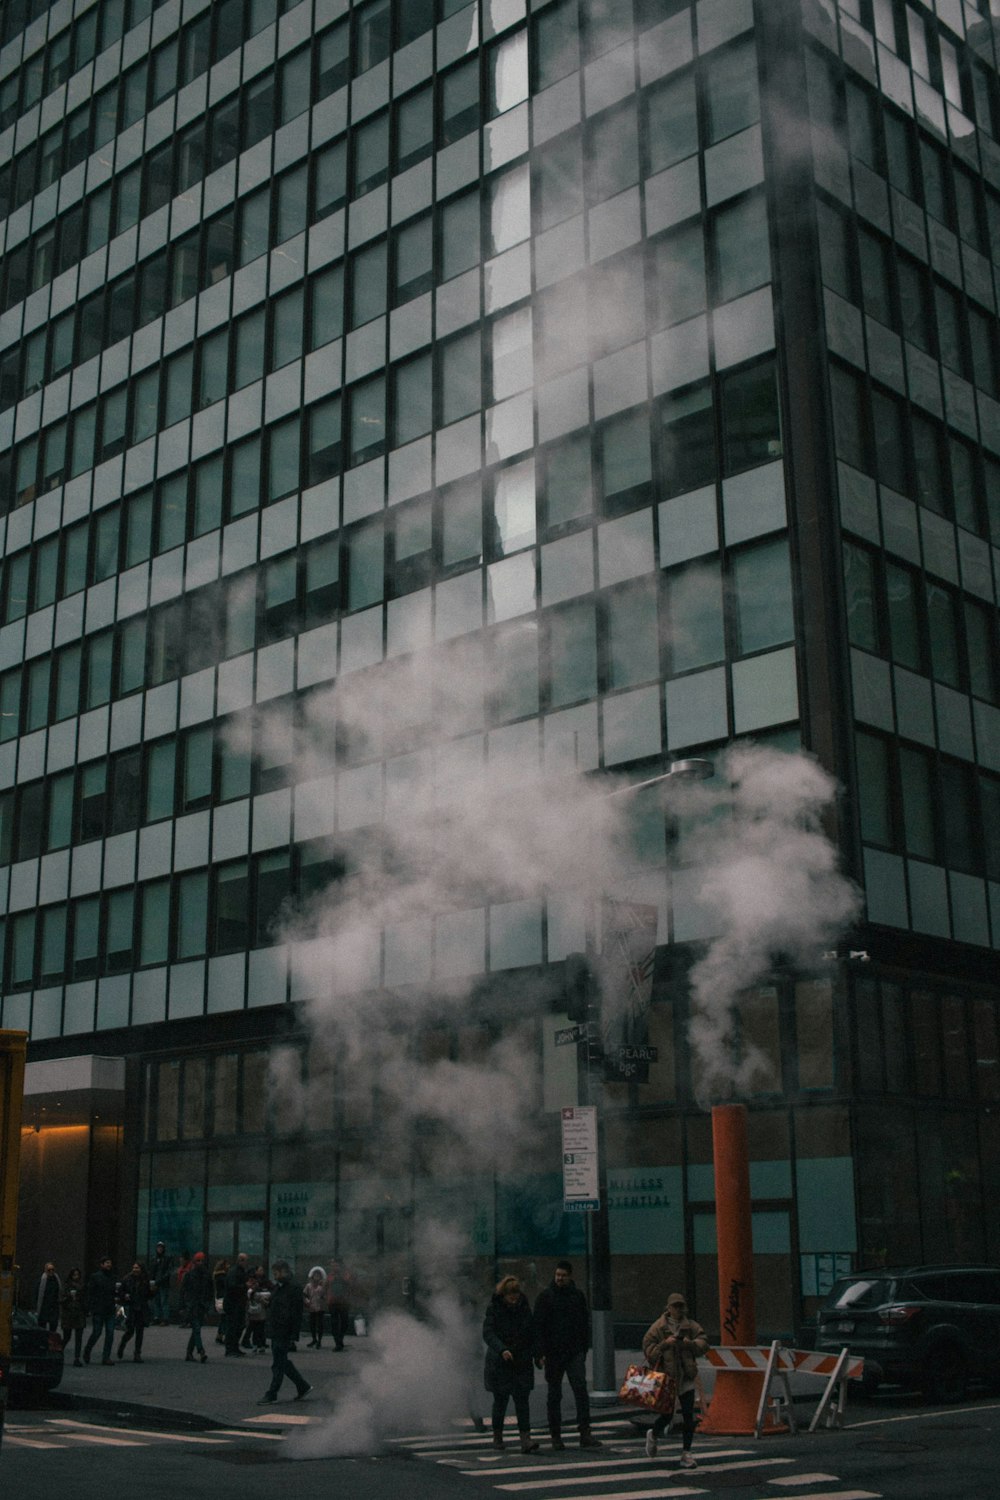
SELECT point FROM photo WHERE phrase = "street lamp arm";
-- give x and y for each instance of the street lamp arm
(680, 770)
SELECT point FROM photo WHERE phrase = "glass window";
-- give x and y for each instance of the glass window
(413, 399)
(510, 209)
(741, 249)
(120, 936)
(915, 303)
(273, 886)
(367, 419)
(751, 422)
(917, 789)
(942, 626)
(413, 268)
(37, 714)
(371, 153)
(16, 580)
(514, 508)
(460, 95)
(861, 130)
(279, 613)
(568, 481)
(235, 762)
(732, 98)
(287, 327)
(154, 922)
(92, 800)
(333, 59)
(687, 443)
(460, 374)
(99, 652)
(763, 597)
(982, 341)
(626, 464)
(460, 235)
(126, 786)
(324, 454)
(697, 621)
(557, 43)
(295, 85)
(365, 565)
(196, 780)
(899, 154)
(292, 210)
(59, 830)
(461, 523)
(373, 35)
(368, 283)
(849, 418)
(67, 699)
(860, 598)
(873, 788)
(326, 306)
(612, 153)
(46, 579)
(178, 387)
(329, 179)
(160, 762)
(508, 65)
(232, 915)
(981, 650)
(950, 328)
(961, 845)
(928, 463)
(249, 362)
(22, 950)
(414, 126)
(322, 580)
(873, 254)
(679, 286)
(192, 914)
(244, 477)
(934, 175)
(413, 19)
(53, 946)
(241, 616)
(671, 123)
(572, 653)
(213, 368)
(511, 361)
(514, 671)
(254, 226)
(904, 616)
(208, 491)
(633, 636)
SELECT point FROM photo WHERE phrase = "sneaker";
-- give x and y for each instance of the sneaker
(301, 1395)
(266, 1399)
(558, 1446)
(651, 1445)
(588, 1440)
(688, 1461)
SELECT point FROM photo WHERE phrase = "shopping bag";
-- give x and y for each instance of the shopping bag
(653, 1389)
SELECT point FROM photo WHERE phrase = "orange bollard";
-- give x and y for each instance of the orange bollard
(732, 1411)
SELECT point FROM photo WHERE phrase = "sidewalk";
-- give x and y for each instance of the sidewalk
(222, 1393)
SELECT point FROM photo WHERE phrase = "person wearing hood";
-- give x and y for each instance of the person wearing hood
(314, 1301)
(48, 1298)
(196, 1299)
(508, 1333)
(73, 1312)
(562, 1338)
(673, 1344)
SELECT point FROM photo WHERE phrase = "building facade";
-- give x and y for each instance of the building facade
(639, 356)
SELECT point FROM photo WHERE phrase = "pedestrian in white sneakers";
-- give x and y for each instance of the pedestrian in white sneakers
(673, 1344)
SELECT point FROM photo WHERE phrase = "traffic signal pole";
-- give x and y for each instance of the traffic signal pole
(13, 1047)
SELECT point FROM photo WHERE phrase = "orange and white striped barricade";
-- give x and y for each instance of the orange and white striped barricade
(770, 1365)
(838, 1370)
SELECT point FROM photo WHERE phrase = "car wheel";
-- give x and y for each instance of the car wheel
(946, 1377)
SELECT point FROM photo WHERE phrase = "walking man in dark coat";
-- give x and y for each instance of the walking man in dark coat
(101, 1304)
(562, 1338)
(284, 1323)
(234, 1305)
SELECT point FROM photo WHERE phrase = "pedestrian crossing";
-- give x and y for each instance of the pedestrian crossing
(59, 1433)
(620, 1469)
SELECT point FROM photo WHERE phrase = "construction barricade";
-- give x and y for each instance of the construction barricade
(770, 1368)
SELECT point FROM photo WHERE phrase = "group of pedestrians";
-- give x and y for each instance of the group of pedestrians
(554, 1336)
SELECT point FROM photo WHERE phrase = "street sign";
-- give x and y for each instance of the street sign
(629, 1062)
(567, 1035)
(579, 1153)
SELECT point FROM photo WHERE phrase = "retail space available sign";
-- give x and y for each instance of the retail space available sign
(579, 1154)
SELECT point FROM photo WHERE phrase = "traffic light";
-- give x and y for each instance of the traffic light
(580, 986)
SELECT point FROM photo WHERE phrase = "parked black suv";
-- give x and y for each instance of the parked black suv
(930, 1327)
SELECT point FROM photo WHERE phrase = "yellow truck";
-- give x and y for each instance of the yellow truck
(13, 1046)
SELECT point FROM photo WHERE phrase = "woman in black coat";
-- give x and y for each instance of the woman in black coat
(508, 1333)
(136, 1292)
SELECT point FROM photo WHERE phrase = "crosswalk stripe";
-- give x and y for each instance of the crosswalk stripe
(834, 1495)
(74, 1430)
(20, 1442)
(100, 1441)
(657, 1494)
(589, 1463)
(282, 1419)
(706, 1469)
(242, 1432)
(804, 1479)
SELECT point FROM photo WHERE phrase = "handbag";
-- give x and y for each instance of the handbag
(653, 1389)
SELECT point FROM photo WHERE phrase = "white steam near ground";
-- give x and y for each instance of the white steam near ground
(416, 899)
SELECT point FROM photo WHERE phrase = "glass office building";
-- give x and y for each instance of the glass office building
(640, 356)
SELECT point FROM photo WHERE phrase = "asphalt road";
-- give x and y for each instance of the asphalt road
(892, 1447)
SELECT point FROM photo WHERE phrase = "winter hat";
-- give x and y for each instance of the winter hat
(199, 1255)
(318, 1271)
